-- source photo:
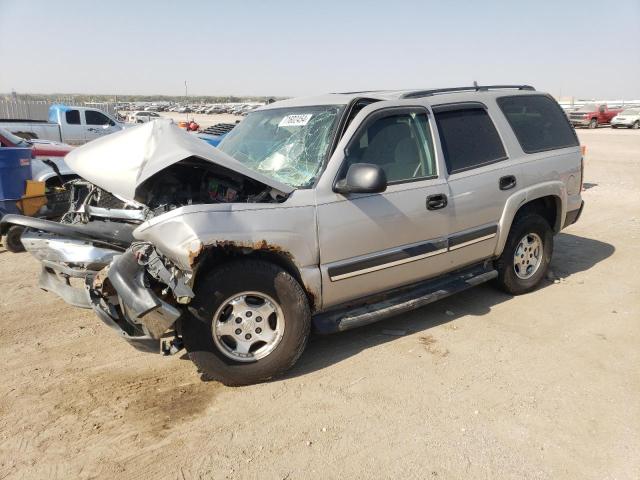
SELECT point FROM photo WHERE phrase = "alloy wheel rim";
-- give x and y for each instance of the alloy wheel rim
(528, 256)
(248, 326)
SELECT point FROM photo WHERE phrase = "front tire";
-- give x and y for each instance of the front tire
(526, 255)
(636, 125)
(12, 241)
(250, 321)
(593, 123)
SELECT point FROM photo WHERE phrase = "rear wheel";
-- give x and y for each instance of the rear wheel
(593, 123)
(526, 255)
(250, 321)
(12, 241)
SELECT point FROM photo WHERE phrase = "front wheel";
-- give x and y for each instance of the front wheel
(12, 241)
(636, 125)
(250, 321)
(526, 255)
(593, 123)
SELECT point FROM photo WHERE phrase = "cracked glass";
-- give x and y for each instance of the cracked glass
(287, 144)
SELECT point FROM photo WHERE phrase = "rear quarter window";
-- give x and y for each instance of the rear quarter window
(538, 123)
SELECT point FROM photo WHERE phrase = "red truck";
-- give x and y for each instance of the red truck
(592, 114)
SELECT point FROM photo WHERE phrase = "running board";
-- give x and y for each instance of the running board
(401, 300)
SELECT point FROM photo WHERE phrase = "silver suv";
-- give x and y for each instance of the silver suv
(328, 213)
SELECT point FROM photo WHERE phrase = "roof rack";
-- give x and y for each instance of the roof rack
(474, 88)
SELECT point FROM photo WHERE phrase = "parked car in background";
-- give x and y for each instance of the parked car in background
(628, 118)
(333, 211)
(71, 125)
(593, 115)
(142, 116)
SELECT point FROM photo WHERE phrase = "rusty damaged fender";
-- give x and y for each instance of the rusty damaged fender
(184, 234)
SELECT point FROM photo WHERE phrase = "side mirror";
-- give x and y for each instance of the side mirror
(362, 178)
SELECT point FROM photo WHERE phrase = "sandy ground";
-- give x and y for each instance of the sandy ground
(480, 385)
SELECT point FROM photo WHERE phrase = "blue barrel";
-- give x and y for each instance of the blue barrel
(15, 170)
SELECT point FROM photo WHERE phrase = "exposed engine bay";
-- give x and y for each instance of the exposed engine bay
(190, 182)
(194, 181)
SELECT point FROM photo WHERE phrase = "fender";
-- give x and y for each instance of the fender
(554, 188)
(189, 234)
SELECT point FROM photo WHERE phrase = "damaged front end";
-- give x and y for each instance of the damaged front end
(135, 290)
(97, 257)
(141, 295)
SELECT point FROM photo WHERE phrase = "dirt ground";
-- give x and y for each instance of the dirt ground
(480, 385)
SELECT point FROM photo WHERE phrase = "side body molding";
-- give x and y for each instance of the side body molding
(554, 188)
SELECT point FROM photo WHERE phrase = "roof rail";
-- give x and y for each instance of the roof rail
(474, 88)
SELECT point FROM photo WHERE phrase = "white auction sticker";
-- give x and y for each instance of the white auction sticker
(299, 120)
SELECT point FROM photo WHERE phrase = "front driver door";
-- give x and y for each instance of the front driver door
(372, 242)
(97, 124)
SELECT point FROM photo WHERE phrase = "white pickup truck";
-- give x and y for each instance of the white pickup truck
(71, 125)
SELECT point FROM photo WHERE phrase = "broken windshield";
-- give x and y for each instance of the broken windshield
(287, 144)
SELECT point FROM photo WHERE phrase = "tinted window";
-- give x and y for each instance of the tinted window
(538, 122)
(469, 139)
(96, 118)
(400, 144)
(72, 117)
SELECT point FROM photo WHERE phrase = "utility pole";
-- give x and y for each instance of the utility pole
(185, 100)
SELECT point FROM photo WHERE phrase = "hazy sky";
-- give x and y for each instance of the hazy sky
(582, 48)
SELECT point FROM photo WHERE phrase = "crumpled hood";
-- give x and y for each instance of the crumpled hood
(120, 162)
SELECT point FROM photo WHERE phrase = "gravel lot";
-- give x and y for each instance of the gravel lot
(480, 385)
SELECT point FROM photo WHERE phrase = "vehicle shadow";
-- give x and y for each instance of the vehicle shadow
(572, 254)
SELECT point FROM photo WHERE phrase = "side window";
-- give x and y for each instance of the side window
(399, 144)
(469, 139)
(538, 122)
(72, 117)
(96, 118)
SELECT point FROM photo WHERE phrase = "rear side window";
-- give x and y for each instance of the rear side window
(73, 117)
(469, 139)
(538, 122)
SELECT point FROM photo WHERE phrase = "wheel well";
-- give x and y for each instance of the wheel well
(215, 257)
(548, 207)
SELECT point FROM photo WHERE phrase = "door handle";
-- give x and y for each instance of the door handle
(507, 182)
(437, 201)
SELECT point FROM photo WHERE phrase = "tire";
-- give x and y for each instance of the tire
(614, 126)
(530, 226)
(593, 123)
(636, 125)
(12, 240)
(215, 358)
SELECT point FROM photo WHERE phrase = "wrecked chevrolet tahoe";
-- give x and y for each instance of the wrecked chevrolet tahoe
(323, 213)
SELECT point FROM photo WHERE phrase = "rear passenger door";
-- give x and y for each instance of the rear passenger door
(480, 178)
